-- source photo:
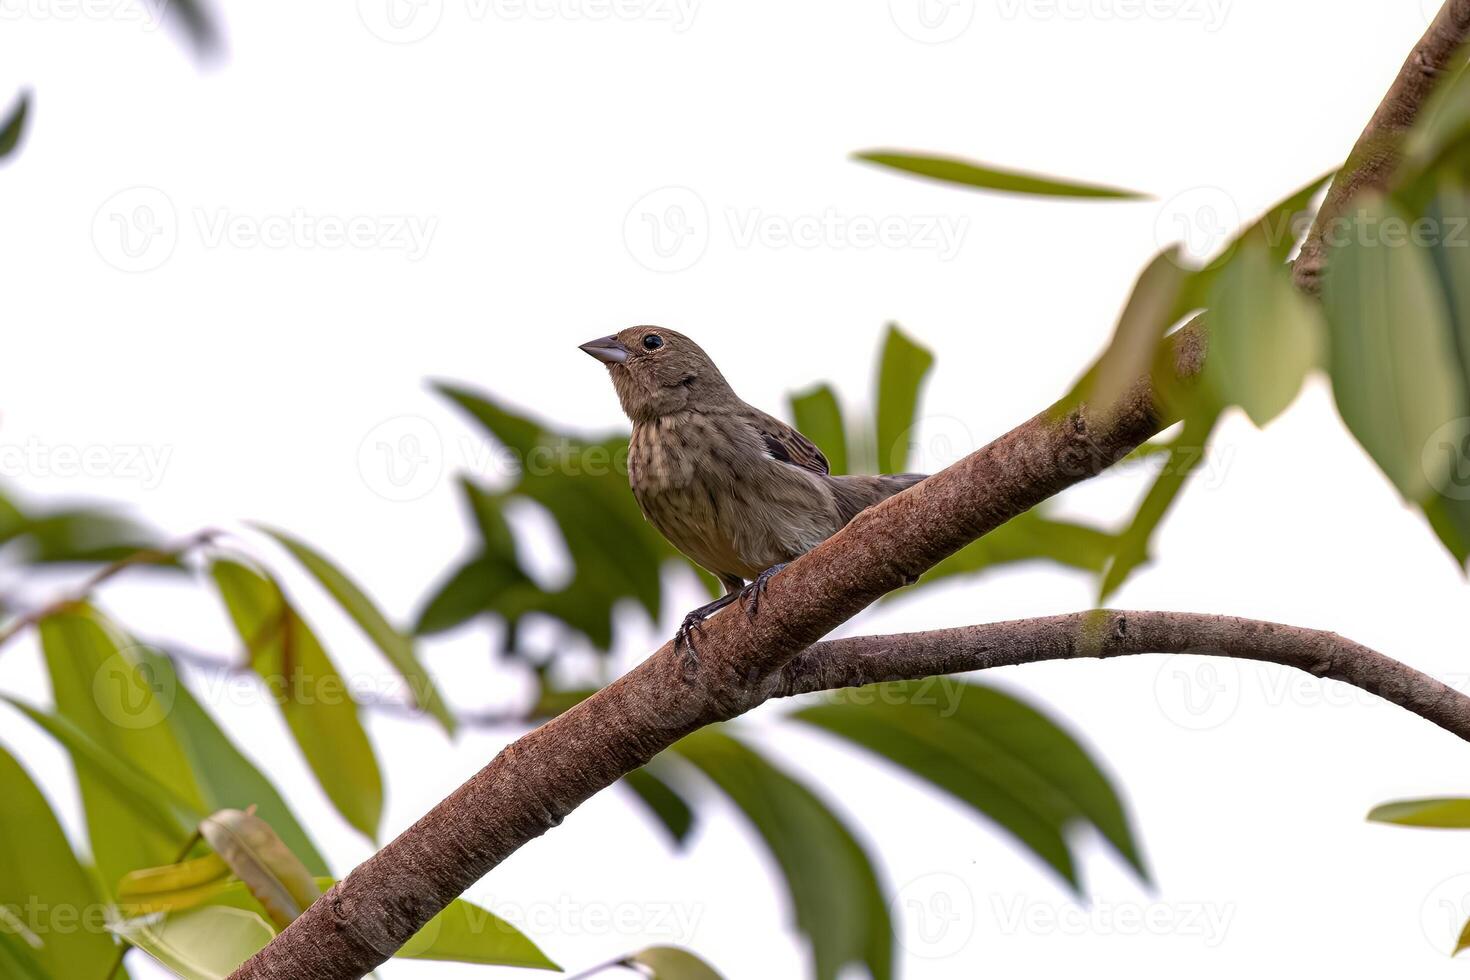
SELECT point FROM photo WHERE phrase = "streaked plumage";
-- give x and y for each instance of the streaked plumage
(738, 491)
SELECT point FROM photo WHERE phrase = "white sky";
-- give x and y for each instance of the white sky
(518, 145)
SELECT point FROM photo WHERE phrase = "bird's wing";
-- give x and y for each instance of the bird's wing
(785, 444)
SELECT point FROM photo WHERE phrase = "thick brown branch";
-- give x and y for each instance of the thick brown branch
(538, 780)
(864, 660)
(1376, 154)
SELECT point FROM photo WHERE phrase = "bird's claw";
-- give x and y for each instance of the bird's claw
(684, 636)
(755, 591)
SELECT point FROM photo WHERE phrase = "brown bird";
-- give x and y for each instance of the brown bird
(737, 491)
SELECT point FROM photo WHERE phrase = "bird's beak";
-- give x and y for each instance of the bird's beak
(608, 350)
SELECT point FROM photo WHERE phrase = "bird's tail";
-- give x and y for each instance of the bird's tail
(855, 494)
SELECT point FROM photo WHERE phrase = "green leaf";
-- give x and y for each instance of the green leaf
(902, 368)
(1001, 756)
(200, 944)
(462, 933)
(467, 933)
(818, 416)
(14, 126)
(1450, 519)
(1391, 348)
(672, 963)
(41, 880)
(1265, 336)
(955, 171)
(830, 880)
(396, 646)
(150, 800)
(117, 701)
(276, 877)
(519, 434)
(1451, 812)
(1029, 537)
(470, 591)
(663, 801)
(174, 887)
(1186, 453)
(1156, 303)
(227, 779)
(304, 684)
(18, 960)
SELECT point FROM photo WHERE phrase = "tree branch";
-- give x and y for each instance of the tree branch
(856, 661)
(537, 780)
(1376, 154)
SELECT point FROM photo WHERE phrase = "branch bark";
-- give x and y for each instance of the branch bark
(1376, 154)
(536, 781)
(857, 661)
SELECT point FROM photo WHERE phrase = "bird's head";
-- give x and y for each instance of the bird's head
(659, 372)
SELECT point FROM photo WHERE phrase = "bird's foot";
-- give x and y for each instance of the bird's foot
(755, 591)
(694, 623)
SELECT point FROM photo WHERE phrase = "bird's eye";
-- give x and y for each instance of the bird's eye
(652, 342)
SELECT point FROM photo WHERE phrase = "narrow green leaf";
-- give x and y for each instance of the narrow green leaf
(1029, 537)
(1391, 348)
(174, 887)
(117, 701)
(1154, 306)
(663, 801)
(14, 125)
(276, 877)
(41, 881)
(830, 880)
(902, 369)
(818, 416)
(1451, 812)
(672, 963)
(206, 943)
(18, 960)
(518, 433)
(304, 684)
(396, 646)
(952, 170)
(227, 779)
(149, 799)
(1132, 550)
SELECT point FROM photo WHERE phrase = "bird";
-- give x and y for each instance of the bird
(738, 492)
